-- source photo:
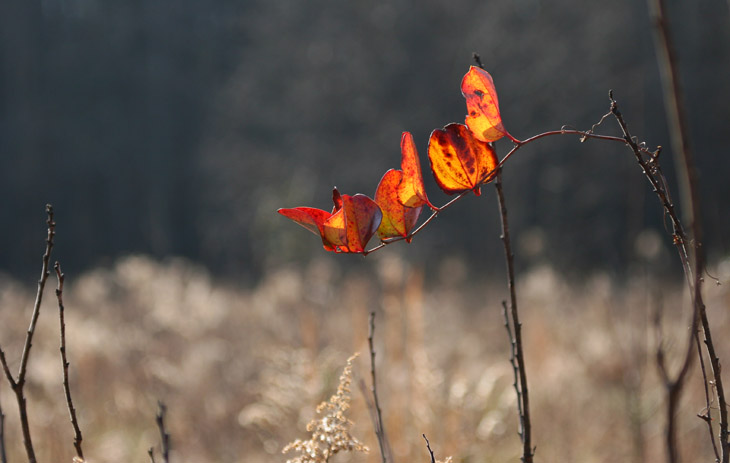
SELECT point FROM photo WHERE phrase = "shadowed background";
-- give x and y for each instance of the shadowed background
(179, 128)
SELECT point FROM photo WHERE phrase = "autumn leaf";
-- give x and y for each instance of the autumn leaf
(411, 192)
(348, 228)
(398, 219)
(459, 161)
(482, 106)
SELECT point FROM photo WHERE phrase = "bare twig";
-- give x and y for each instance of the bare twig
(164, 435)
(513, 361)
(378, 418)
(64, 361)
(706, 416)
(151, 453)
(523, 398)
(428, 446)
(673, 387)
(3, 455)
(685, 164)
(18, 384)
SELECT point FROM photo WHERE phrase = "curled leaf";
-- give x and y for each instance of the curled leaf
(411, 192)
(459, 161)
(398, 219)
(348, 228)
(482, 105)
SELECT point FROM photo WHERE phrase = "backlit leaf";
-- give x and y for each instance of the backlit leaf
(398, 220)
(411, 192)
(362, 218)
(348, 228)
(459, 161)
(482, 105)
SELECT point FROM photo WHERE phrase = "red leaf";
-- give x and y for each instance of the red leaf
(482, 105)
(411, 192)
(398, 219)
(348, 228)
(459, 161)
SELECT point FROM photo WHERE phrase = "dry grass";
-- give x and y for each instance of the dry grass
(242, 370)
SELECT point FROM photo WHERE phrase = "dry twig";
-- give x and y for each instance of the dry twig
(684, 160)
(378, 414)
(64, 361)
(18, 384)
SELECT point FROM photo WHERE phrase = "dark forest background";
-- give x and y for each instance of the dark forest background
(179, 127)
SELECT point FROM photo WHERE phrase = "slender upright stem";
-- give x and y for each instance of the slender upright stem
(523, 398)
(379, 428)
(428, 446)
(18, 384)
(64, 361)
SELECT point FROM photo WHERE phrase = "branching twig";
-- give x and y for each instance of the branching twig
(64, 361)
(18, 384)
(378, 416)
(164, 435)
(684, 161)
(673, 387)
(523, 398)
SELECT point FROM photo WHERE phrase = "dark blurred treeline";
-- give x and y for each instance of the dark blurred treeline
(179, 127)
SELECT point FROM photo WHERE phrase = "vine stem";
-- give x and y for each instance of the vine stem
(518, 144)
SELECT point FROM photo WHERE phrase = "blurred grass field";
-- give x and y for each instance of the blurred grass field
(241, 370)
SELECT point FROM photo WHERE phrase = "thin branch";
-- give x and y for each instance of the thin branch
(706, 416)
(673, 387)
(513, 361)
(151, 453)
(378, 418)
(3, 455)
(428, 446)
(523, 397)
(684, 160)
(164, 435)
(64, 361)
(18, 384)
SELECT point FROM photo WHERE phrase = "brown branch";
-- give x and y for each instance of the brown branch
(64, 361)
(706, 416)
(164, 435)
(673, 387)
(378, 415)
(523, 398)
(686, 167)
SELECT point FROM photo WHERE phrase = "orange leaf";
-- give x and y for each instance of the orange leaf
(348, 228)
(398, 219)
(460, 161)
(482, 105)
(411, 192)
